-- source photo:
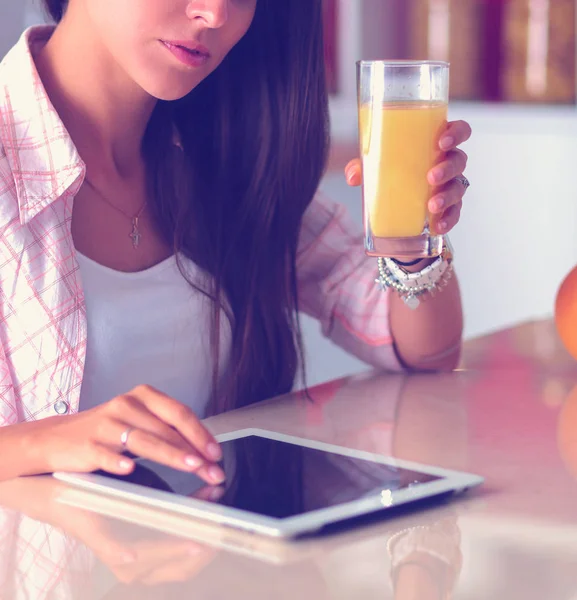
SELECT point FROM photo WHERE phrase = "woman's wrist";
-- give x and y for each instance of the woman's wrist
(414, 266)
(20, 442)
(413, 280)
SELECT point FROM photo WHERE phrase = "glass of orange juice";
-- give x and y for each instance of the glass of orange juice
(402, 112)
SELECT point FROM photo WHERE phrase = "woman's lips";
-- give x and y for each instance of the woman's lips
(188, 53)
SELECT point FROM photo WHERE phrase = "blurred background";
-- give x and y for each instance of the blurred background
(513, 78)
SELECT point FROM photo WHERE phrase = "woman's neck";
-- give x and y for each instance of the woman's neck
(105, 112)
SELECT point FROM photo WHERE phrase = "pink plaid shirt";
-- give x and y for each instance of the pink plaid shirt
(42, 310)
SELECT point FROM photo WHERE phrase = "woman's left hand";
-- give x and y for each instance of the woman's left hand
(448, 191)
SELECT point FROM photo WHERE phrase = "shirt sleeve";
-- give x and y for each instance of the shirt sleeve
(336, 285)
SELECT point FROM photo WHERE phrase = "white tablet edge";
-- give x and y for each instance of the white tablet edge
(450, 482)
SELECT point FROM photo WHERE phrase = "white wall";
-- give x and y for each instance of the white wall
(517, 239)
(11, 22)
(33, 13)
(15, 16)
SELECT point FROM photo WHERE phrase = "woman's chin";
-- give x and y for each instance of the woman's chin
(170, 89)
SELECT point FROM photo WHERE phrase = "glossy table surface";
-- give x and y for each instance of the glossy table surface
(508, 414)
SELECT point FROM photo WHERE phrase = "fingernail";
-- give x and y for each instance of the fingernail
(216, 474)
(446, 143)
(438, 174)
(214, 452)
(216, 494)
(443, 225)
(439, 204)
(350, 175)
(192, 461)
(125, 464)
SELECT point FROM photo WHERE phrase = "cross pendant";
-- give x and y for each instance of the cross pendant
(135, 234)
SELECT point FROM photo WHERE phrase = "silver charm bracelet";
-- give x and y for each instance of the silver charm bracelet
(411, 287)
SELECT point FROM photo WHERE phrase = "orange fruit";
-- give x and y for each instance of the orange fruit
(566, 312)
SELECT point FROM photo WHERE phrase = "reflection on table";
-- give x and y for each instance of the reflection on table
(512, 538)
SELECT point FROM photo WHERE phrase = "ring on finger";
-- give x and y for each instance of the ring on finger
(463, 181)
(125, 435)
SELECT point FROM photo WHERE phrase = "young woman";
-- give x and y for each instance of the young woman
(160, 231)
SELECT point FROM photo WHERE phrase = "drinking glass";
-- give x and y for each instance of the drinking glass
(402, 109)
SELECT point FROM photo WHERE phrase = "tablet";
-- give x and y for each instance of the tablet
(280, 485)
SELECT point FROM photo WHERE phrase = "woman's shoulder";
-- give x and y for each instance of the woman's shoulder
(20, 85)
(8, 150)
(14, 97)
(38, 160)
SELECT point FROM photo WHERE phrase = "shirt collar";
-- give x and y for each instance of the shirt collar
(42, 157)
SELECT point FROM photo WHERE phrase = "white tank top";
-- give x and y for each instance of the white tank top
(149, 327)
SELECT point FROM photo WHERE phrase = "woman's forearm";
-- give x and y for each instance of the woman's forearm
(17, 454)
(429, 337)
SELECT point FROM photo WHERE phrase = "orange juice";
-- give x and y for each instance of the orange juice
(399, 145)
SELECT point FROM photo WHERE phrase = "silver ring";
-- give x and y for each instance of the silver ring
(463, 181)
(125, 435)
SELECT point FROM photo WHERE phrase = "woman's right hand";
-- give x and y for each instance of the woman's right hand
(161, 429)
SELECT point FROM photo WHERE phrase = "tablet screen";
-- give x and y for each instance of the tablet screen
(279, 479)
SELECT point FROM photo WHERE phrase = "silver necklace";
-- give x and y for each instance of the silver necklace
(135, 234)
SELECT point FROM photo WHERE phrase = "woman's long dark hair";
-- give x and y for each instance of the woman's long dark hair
(254, 140)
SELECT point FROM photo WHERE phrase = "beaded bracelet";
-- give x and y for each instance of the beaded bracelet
(412, 287)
